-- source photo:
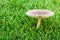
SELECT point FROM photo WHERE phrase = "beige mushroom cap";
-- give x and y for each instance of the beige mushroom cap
(40, 13)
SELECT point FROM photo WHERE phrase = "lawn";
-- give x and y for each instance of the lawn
(16, 25)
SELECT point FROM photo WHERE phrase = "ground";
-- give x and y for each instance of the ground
(16, 25)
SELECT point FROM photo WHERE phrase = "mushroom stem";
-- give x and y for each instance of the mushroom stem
(38, 23)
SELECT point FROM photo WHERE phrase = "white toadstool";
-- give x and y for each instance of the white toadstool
(39, 14)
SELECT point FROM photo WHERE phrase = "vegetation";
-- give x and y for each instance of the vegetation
(16, 25)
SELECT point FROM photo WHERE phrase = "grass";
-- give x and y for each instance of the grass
(15, 25)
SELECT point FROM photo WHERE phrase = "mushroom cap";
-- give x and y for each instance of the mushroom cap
(39, 13)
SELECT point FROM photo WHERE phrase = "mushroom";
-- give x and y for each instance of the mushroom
(39, 14)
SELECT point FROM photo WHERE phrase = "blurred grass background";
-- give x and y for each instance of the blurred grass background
(16, 25)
